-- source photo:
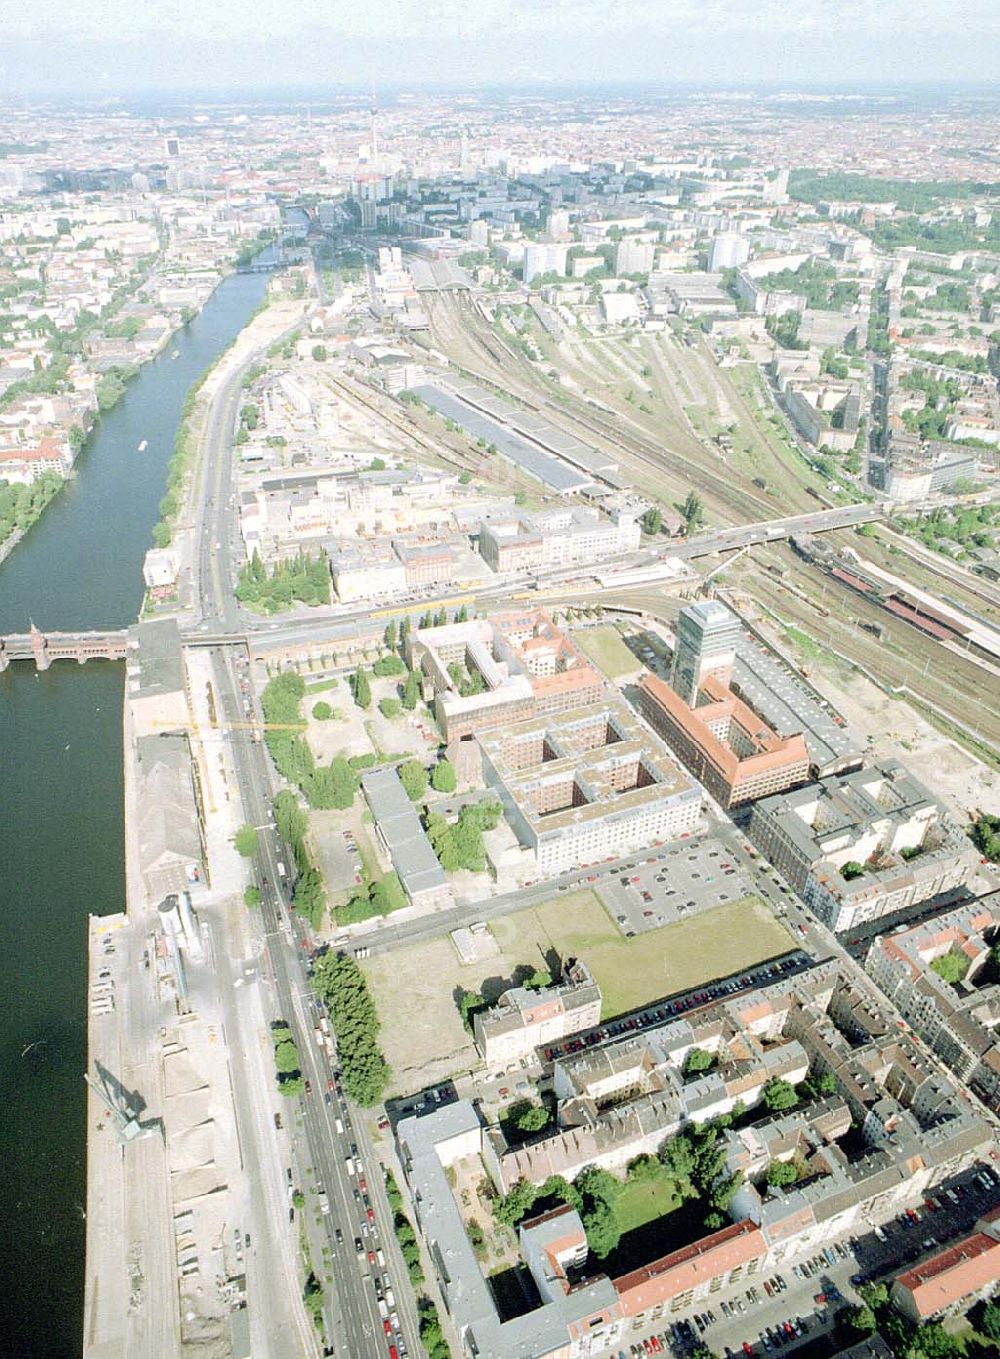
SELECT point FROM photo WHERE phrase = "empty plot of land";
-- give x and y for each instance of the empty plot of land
(633, 972)
(604, 646)
(416, 989)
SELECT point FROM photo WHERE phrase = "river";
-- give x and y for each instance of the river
(61, 829)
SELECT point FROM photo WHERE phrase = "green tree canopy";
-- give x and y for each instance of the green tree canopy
(443, 778)
(413, 777)
(246, 841)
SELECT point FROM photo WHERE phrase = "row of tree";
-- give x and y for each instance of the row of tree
(342, 985)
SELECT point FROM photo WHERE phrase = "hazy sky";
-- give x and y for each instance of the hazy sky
(129, 46)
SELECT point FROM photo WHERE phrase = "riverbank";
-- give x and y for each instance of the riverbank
(61, 820)
(101, 410)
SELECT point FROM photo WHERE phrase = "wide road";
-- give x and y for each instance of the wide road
(353, 1320)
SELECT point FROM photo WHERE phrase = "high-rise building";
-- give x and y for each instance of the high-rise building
(707, 637)
(728, 251)
(634, 257)
(558, 224)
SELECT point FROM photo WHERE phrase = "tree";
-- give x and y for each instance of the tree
(778, 1095)
(411, 691)
(389, 707)
(413, 777)
(289, 817)
(601, 1226)
(989, 1320)
(335, 786)
(361, 688)
(341, 983)
(309, 896)
(443, 778)
(251, 897)
(516, 1204)
(246, 841)
(469, 1005)
(851, 869)
(652, 520)
(322, 711)
(389, 665)
(319, 353)
(859, 1320)
(781, 1173)
(390, 634)
(697, 1060)
(533, 1119)
(286, 1056)
(693, 512)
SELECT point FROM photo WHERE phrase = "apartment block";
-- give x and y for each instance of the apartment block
(893, 1129)
(957, 1020)
(953, 1279)
(581, 786)
(862, 845)
(490, 673)
(729, 749)
(524, 1019)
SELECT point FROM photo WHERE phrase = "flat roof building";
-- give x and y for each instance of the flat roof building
(398, 828)
(708, 635)
(957, 1020)
(579, 786)
(522, 1019)
(488, 673)
(859, 846)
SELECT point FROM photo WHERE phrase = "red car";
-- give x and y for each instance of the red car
(362, 1183)
(329, 1082)
(747, 1347)
(371, 1257)
(371, 1216)
(387, 1328)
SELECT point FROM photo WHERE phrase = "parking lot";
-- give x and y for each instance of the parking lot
(679, 882)
(690, 1000)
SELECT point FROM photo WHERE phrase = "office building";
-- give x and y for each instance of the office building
(728, 747)
(708, 635)
(859, 846)
(634, 256)
(576, 535)
(489, 673)
(727, 251)
(580, 786)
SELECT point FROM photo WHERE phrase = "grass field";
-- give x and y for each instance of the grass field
(605, 648)
(633, 972)
(644, 1200)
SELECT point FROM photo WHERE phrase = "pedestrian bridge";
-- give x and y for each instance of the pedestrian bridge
(45, 647)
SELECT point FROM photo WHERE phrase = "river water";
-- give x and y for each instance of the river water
(61, 828)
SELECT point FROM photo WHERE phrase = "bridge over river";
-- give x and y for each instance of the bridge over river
(45, 647)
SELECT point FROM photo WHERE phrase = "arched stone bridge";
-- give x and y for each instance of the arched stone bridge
(45, 647)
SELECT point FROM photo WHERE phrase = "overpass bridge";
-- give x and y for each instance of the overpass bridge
(45, 647)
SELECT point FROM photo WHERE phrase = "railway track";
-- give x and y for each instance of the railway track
(631, 445)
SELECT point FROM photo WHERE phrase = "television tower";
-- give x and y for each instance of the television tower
(373, 112)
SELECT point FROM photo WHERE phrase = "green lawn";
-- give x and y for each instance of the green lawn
(604, 646)
(657, 963)
(644, 1200)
